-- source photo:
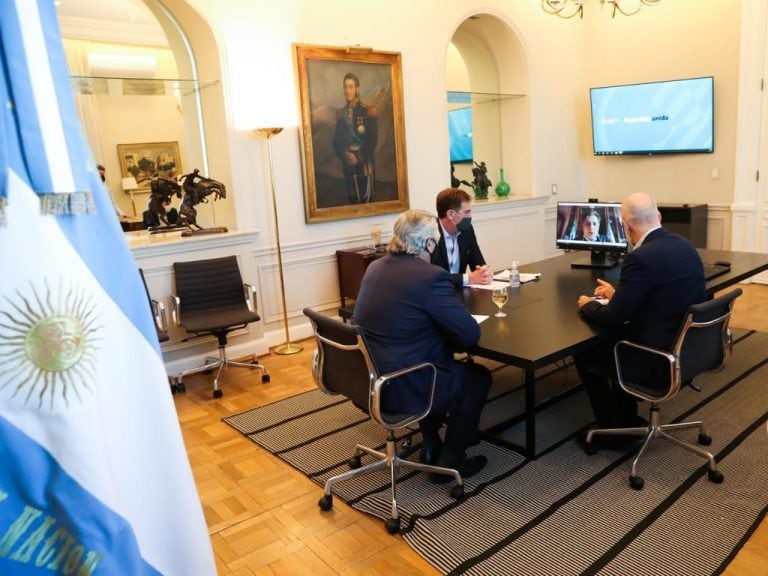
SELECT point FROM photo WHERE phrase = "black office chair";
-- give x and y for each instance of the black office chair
(158, 312)
(702, 345)
(211, 298)
(343, 365)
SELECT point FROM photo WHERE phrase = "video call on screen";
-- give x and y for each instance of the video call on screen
(575, 220)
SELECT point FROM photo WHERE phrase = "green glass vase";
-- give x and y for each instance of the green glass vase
(502, 188)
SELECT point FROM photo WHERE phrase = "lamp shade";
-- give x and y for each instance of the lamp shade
(129, 183)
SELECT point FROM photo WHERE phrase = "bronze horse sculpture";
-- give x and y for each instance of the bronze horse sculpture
(197, 189)
(161, 191)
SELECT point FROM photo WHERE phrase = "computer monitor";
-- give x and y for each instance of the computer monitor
(593, 226)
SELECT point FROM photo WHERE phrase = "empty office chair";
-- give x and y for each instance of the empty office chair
(702, 345)
(343, 365)
(158, 312)
(212, 299)
(161, 324)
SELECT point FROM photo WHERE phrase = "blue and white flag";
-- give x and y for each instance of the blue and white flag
(94, 478)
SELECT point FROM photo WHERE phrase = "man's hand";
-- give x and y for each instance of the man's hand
(481, 275)
(350, 158)
(604, 289)
(583, 299)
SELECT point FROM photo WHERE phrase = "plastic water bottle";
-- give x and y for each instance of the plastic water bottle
(514, 276)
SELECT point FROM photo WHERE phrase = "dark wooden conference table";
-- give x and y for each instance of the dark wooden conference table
(543, 324)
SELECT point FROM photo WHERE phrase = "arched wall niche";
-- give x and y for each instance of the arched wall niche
(197, 56)
(124, 106)
(487, 59)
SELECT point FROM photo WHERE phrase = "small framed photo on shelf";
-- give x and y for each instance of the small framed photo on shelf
(143, 161)
(353, 135)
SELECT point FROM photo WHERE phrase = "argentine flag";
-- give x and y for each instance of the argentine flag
(94, 478)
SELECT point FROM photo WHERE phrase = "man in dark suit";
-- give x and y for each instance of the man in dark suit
(355, 140)
(590, 228)
(660, 278)
(410, 313)
(458, 248)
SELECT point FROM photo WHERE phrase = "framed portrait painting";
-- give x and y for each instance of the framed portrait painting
(142, 161)
(352, 132)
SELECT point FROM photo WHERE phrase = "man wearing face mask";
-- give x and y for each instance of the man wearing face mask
(458, 248)
(661, 277)
(410, 313)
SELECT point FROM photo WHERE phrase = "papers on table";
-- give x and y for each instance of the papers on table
(490, 286)
(503, 276)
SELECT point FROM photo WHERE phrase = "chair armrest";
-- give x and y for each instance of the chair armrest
(375, 399)
(674, 371)
(158, 311)
(176, 310)
(250, 297)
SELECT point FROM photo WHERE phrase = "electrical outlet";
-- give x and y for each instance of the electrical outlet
(554, 189)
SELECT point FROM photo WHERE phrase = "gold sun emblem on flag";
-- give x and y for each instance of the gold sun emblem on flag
(48, 343)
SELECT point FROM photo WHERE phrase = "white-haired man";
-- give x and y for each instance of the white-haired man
(410, 313)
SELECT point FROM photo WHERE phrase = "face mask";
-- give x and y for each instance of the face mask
(426, 254)
(464, 224)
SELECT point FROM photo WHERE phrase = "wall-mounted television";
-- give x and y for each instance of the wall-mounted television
(674, 116)
(460, 134)
(593, 226)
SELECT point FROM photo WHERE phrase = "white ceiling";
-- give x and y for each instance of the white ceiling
(130, 11)
(121, 21)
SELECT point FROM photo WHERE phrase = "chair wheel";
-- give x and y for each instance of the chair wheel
(636, 482)
(407, 443)
(218, 393)
(457, 492)
(264, 378)
(393, 525)
(715, 476)
(174, 388)
(705, 439)
(326, 502)
(354, 462)
(181, 387)
(590, 449)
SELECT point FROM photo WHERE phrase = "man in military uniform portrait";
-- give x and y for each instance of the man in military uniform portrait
(355, 140)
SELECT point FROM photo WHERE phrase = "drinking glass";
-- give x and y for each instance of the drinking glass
(500, 297)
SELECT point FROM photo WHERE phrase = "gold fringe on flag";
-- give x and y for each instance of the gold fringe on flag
(68, 203)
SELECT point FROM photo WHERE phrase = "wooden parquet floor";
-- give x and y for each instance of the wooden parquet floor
(262, 514)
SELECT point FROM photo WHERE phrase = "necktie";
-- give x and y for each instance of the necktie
(453, 254)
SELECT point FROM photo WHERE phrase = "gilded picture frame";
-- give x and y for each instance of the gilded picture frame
(352, 132)
(144, 160)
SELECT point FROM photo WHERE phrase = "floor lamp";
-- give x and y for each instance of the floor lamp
(288, 347)
(129, 185)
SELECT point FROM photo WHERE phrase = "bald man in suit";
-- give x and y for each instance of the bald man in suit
(661, 277)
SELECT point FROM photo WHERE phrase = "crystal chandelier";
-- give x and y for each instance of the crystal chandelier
(571, 8)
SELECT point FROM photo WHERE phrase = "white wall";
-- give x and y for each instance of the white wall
(673, 39)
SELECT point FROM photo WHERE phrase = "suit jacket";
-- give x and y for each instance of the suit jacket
(600, 238)
(469, 254)
(410, 313)
(659, 281)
